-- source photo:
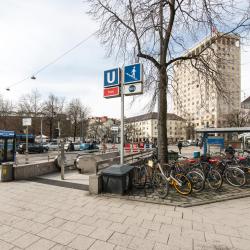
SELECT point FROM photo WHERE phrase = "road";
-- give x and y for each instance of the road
(187, 151)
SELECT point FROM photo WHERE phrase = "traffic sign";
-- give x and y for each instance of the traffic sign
(26, 121)
(111, 92)
(133, 89)
(111, 77)
(133, 73)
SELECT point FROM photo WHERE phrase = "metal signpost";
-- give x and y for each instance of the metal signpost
(130, 84)
(27, 123)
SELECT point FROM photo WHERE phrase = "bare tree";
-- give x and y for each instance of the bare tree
(77, 113)
(31, 105)
(158, 32)
(6, 108)
(131, 132)
(52, 107)
(239, 118)
(96, 130)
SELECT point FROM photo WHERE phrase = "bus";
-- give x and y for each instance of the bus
(21, 138)
(7, 146)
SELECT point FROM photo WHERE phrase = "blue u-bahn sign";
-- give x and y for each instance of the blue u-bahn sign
(111, 78)
(133, 73)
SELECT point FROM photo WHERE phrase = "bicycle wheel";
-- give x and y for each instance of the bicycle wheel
(235, 176)
(214, 179)
(183, 185)
(197, 179)
(140, 177)
(160, 185)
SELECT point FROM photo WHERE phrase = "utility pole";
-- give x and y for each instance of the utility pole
(27, 145)
(122, 125)
(62, 159)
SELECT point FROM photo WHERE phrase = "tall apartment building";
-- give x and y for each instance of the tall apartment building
(144, 127)
(196, 98)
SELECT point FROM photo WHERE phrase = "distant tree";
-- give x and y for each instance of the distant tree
(239, 118)
(6, 108)
(96, 129)
(31, 105)
(52, 108)
(77, 114)
(159, 33)
(130, 132)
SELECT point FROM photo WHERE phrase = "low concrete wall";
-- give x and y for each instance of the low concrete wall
(26, 171)
(95, 184)
(88, 163)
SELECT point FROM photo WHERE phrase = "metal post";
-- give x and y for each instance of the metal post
(27, 150)
(62, 160)
(41, 131)
(59, 135)
(122, 125)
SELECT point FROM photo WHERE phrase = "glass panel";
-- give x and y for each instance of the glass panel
(10, 149)
(1, 150)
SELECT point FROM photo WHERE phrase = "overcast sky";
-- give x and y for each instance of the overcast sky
(35, 32)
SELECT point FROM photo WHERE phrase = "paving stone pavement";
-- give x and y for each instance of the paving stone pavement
(40, 216)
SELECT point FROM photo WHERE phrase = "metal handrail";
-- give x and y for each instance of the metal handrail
(131, 159)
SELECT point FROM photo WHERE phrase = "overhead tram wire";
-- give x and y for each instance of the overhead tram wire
(33, 76)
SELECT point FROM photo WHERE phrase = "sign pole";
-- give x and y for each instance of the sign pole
(27, 150)
(122, 125)
(62, 159)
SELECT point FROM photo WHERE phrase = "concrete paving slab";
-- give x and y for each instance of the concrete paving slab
(222, 225)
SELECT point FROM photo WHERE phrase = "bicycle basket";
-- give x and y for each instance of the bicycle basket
(150, 163)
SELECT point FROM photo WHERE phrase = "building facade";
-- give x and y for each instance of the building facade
(197, 100)
(245, 105)
(103, 129)
(145, 128)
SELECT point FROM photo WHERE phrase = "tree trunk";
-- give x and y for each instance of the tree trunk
(51, 129)
(75, 127)
(162, 117)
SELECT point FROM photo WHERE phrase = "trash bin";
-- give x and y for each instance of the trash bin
(172, 155)
(7, 171)
(117, 179)
(197, 154)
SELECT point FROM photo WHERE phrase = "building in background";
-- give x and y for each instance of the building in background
(145, 128)
(200, 103)
(103, 129)
(245, 105)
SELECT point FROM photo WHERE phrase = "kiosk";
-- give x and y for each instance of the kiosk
(7, 146)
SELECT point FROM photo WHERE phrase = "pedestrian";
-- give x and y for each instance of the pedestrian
(230, 151)
(179, 145)
(104, 147)
(71, 146)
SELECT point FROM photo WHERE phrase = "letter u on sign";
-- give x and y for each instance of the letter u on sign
(111, 77)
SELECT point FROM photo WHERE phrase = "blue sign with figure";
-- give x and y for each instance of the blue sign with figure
(133, 73)
(216, 141)
(111, 78)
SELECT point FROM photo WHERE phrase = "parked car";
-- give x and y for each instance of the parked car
(53, 146)
(78, 146)
(32, 148)
(89, 146)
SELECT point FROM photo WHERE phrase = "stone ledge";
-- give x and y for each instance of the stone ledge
(27, 171)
